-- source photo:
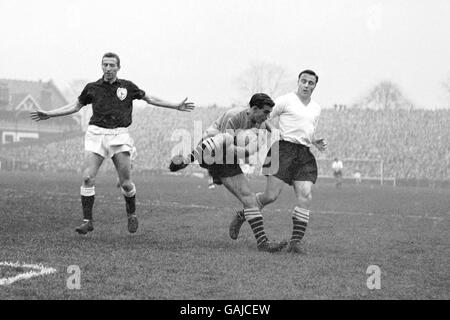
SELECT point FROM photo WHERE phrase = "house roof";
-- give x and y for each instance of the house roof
(17, 98)
(21, 88)
(20, 91)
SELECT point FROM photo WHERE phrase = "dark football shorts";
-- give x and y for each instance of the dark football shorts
(219, 171)
(292, 162)
(222, 170)
(337, 174)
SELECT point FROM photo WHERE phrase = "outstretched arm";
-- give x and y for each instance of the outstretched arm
(71, 108)
(181, 106)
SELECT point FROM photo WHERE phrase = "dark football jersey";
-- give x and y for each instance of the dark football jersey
(112, 103)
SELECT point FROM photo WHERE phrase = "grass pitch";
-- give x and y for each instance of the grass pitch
(182, 249)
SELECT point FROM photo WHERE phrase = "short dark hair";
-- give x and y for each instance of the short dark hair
(307, 71)
(260, 100)
(112, 55)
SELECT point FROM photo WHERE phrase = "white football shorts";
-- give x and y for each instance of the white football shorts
(107, 142)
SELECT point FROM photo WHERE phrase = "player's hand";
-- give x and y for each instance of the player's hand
(186, 106)
(39, 115)
(269, 126)
(321, 144)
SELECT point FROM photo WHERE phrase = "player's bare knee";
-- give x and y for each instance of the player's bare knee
(305, 198)
(270, 197)
(249, 201)
(128, 188)
(127, 185)
(88, 181)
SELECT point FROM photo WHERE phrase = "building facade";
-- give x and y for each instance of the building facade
(18, 98)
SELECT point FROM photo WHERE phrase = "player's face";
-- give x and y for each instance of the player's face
(306, 85)
(110, 68)
(260, 115)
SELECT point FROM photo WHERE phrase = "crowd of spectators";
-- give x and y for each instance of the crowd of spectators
(413, 144)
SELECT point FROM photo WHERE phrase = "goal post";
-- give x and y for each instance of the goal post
(357, 169)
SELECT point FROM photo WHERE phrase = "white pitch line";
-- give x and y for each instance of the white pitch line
(181, 205)
(383, 215)
(39, 270)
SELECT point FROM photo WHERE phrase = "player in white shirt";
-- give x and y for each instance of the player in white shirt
(337, 167)
(290, 160)
(357, 176)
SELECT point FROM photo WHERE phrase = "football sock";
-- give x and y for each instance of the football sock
(130, 204)
(87, 201)
(255, 219)
(130, 199)
(196, 154)
(300, 218)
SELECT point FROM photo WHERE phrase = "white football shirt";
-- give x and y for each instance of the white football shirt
(297, 122)
(337, 165)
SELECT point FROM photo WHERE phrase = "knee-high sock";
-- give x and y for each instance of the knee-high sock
(255, 219)
(130, 200)
(207, 145)
(300, 218)
(87, 201)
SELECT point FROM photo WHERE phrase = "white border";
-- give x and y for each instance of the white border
(39, 270)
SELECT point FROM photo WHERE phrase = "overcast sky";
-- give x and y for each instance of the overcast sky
(197, 48)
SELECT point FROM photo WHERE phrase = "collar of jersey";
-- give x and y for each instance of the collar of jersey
(102, 81)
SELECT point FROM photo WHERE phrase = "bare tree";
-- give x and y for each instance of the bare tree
(386, 95)
(265, 77)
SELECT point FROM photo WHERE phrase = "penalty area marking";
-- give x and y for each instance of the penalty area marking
(37, 270)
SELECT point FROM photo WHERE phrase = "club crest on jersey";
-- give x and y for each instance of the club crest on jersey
(121, 93)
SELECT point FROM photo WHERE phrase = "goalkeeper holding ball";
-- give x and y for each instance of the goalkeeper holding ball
(226, 141)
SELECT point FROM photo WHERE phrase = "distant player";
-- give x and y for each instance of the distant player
(357, 176)
(290, 161)
(337, 166)
(107, 134)
(219, 152)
